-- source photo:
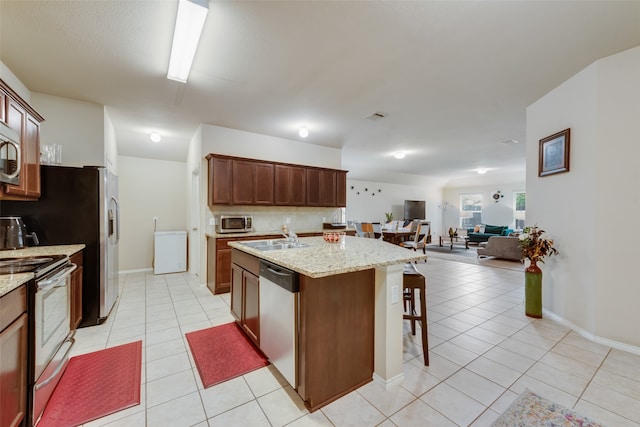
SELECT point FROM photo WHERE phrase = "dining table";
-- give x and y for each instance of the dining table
(397, 236)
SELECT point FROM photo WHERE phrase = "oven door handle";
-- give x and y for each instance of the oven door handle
(44, 285)
(61, 366)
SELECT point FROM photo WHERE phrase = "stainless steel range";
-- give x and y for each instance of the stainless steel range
(50, 334)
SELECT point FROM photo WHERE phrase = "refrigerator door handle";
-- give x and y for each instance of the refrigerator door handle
(117, 218)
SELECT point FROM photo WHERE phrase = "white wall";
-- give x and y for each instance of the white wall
(493, 213)
(232, 142)
(14, 83)
(110, 144)
(587, 211)
(148, 188)
(76, 125)
(371, 205)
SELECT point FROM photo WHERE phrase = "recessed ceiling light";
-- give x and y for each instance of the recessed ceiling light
(399, 155)
(155, 137)
(482, 171)
(303, 132)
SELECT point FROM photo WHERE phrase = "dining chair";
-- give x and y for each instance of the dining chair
(377, 230)
(418, 242)
(367, 230)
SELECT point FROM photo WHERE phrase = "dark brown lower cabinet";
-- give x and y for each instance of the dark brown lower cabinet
(218, 265)
(335, 351)
(13, 357)
(245, 293)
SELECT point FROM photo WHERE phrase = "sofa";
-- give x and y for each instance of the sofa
(489, 231)
(504, 247)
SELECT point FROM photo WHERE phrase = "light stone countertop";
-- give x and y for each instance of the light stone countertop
(321, 259)
(258, 234)
(9, 282)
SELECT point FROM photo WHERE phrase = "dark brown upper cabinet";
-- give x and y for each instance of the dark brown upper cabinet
(220, 181)
(23, 119)
(290, 185)
(341, 188)
(240, 181)
(252, 183)
(321, 187)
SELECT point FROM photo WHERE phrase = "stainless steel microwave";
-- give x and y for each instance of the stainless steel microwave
(234, 223)
(9, 155)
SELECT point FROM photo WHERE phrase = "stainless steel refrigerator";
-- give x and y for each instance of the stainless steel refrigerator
(79, 205)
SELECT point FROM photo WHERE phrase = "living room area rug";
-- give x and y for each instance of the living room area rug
(223, 352)
(470, 256)
(95, 385)
(531, 410)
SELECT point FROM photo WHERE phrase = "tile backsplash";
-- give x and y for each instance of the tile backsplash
(271, 218)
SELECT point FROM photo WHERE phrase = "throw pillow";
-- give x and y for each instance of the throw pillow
(476, 229)
(482, 227)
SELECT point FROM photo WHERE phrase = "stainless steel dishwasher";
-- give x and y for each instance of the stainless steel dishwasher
(279, 289)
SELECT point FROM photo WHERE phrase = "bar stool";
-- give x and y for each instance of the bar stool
(413, 280)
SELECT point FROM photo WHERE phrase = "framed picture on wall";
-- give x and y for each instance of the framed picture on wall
(554, 154)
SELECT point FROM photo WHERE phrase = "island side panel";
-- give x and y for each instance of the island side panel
(336, 337)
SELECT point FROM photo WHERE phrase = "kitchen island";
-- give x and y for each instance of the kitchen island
(349, 312)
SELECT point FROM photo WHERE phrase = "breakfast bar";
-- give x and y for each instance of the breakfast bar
(348, 311)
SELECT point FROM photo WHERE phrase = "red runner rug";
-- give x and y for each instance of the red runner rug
(223, 352)
(94, 385)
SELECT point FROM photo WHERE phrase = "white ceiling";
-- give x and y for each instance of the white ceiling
(452, 77)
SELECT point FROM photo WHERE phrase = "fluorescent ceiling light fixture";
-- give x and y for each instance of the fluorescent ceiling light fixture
(482, 171)
(155, 137)
(189, 24)
(303, 132)
(399, 155)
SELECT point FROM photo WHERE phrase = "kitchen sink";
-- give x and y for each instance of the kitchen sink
(273, 245)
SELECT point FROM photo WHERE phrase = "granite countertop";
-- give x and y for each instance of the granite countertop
(257, 234)
(9, 282)
(321, 259)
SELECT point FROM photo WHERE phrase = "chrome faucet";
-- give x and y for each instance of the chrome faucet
(290, 235)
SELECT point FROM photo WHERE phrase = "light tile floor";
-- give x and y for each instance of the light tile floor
(484, 352)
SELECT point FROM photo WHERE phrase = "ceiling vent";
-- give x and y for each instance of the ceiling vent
(375, 117)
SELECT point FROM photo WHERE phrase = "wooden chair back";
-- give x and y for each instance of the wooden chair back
(367, 229)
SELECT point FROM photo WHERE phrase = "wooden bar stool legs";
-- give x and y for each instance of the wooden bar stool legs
(412, 280)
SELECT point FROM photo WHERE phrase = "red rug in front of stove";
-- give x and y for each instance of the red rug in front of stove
(223, 352)
(95, 385)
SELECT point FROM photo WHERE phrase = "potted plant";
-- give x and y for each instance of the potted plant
(389, 216)
(535, 247)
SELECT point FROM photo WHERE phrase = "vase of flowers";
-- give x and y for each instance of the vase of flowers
(535, 247)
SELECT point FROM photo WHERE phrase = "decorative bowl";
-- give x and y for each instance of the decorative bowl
(333, 236)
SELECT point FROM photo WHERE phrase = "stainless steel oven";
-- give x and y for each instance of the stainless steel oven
(52, 335)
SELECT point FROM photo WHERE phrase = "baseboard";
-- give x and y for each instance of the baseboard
(139, 270)
(392, 382)
(591, 337)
